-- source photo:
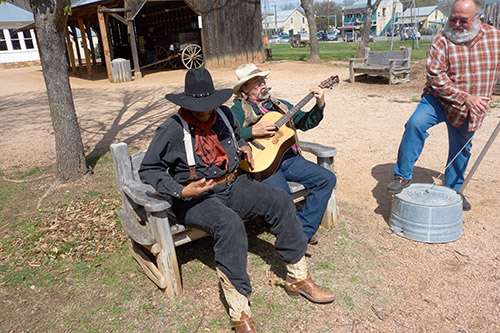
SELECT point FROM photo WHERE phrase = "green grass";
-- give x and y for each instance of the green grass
(342, 51)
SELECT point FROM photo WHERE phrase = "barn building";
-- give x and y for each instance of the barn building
(188, 33)
(184, 34)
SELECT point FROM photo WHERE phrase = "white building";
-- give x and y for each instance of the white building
(354, 16)
(16, 46)
(286, 21)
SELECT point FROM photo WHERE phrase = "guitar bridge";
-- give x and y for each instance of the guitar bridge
(257, 145)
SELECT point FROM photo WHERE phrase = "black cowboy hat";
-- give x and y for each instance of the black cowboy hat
(199, 92)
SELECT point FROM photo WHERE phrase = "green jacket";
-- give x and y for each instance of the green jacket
(302, 120)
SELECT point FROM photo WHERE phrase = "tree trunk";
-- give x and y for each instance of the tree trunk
(367, 26)
(50, 23)
(308, 6)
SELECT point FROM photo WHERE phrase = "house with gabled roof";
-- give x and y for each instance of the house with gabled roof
(354, 16)
(429, 17)
(16, 45)
(289, 21)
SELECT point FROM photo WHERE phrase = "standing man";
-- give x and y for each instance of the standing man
(193, 160)
(252, 101)
(463, 63)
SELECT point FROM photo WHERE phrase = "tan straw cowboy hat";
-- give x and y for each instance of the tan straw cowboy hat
(245, 73)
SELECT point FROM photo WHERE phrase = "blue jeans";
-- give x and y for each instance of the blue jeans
(220, 213)
(317, 179)
(428, 113)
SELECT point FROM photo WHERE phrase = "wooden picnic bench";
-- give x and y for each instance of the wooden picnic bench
(154, 230)
(392, 64)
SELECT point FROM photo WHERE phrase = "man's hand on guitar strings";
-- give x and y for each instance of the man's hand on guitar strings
(247, 155)
(264, 128)
(320, 96)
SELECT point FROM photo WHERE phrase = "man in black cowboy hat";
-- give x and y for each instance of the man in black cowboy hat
(193, 160)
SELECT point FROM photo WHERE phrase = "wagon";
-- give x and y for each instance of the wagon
(183, 51)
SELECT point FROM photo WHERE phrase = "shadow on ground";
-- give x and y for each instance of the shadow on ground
(383, 174)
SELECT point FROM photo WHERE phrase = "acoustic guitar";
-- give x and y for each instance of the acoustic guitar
(268, 151)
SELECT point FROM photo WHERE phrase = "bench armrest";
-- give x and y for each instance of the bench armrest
(317, 149)
(137, 193)
(392, 62)
(356, 59)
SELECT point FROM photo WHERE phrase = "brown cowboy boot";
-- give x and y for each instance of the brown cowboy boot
(239, 308)
(299, 282)
(244, 325)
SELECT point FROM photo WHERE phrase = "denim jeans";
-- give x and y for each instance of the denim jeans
(428, 113)
(317, 179)
(220, 213)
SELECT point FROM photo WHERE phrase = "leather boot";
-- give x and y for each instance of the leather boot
(239, 308)
(300, 283)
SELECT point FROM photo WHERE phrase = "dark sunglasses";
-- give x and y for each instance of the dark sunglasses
(462, 21)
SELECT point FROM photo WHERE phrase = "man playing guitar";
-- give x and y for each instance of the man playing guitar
(253, 100)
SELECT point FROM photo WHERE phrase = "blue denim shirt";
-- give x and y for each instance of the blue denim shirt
(165, 165)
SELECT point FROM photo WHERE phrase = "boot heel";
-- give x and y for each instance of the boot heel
(293, 294)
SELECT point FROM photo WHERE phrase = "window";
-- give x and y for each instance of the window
(28, 40)
(303, 20)
(14, 37)
(291, 20)
(383, 12)
(3, 42)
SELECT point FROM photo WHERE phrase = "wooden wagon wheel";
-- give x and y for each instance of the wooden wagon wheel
(192, 56)
(159, 53)
(175, 61)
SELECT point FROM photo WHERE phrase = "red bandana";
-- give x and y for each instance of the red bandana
(207, 144)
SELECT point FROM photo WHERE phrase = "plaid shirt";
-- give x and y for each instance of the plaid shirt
(456, 71)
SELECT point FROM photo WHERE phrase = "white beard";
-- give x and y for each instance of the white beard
(461, 35)
(264, 94)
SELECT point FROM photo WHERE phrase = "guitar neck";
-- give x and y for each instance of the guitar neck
(287, 116)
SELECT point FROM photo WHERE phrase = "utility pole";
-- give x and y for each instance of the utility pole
(328, 16)
(265, 18)
(275, 19)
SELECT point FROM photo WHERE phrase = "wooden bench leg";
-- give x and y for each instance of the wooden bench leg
(147, 265)
(166, 259)
(331, 215)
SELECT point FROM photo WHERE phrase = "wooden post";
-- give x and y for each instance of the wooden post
(133, 46)
(70, 52)
(105, 43)
(75, 38)
(88, 61)
(131, 33)
(92, 50)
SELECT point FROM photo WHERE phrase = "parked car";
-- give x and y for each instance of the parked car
(331, 36)
(410, 33)
(348, 37)
(371, 38)
(393, 33)
(322, 36)
(285, 39)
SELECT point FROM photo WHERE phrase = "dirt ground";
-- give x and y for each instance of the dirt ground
(453, 287)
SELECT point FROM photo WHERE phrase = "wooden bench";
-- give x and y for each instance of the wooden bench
(392, 64)
(298, 41)
(153, 229)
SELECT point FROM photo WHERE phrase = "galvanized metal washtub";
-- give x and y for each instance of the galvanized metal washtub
(427, 213)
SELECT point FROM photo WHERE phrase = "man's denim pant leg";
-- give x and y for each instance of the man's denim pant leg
(428, 113)
(317, 179)
(221, 212)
